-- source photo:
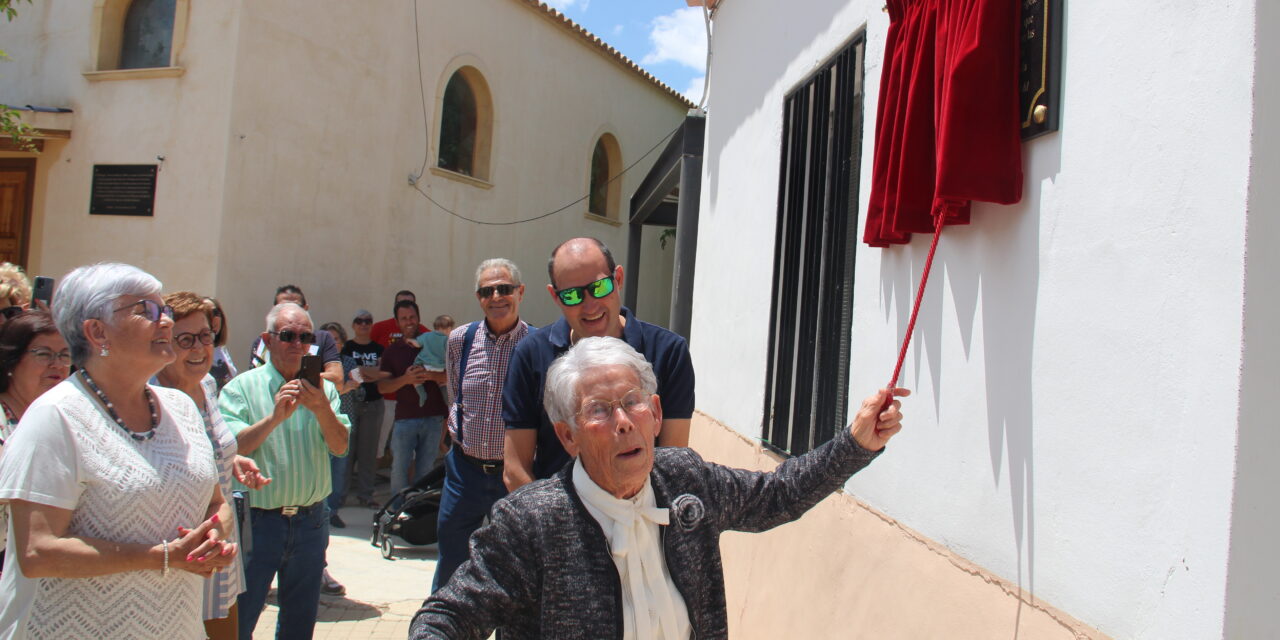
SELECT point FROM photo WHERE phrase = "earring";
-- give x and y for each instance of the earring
(106, 351)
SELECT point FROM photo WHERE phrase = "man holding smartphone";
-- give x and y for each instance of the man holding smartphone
(289, 427)
(415, 434)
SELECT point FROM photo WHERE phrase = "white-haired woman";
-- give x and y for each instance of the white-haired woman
(102, 474)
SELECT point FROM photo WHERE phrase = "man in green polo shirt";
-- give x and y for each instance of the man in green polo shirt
(288, 427)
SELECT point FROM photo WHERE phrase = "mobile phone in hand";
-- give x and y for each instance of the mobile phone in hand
(310, 370)
(42, 290)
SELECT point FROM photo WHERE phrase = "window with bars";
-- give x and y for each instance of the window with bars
(806, 388)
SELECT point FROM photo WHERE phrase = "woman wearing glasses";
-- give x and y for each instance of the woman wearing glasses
(33, 358)
(116, 510)
(194, 339)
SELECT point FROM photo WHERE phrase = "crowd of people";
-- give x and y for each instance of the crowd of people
(153, 489)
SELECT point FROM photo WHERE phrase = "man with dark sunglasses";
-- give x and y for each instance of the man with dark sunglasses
(324, 345)
(289, 428)
(586, 284)
(476, 358)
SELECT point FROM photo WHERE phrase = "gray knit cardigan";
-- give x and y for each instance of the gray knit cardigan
(541, 567)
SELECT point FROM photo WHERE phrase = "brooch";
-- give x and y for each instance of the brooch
(687, 510)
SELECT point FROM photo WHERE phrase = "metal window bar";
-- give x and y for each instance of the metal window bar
(810, 324)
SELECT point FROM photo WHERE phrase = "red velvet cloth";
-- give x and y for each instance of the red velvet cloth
(947, 120)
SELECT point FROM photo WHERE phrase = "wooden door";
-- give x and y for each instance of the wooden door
(17, 179)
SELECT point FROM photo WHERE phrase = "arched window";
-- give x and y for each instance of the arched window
(466, 124)
(147, 38)
(606, 162)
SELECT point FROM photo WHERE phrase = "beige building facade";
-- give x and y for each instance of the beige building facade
(299, 142)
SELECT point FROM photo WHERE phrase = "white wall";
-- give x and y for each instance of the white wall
(1252, 596)
(1076, 362)
(327, 124)
(125, 122)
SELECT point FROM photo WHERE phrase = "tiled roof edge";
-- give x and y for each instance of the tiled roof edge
(591, 39)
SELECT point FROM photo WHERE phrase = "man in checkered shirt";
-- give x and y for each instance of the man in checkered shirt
(473, 479)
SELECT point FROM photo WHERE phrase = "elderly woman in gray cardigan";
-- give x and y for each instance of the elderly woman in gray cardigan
(624, 542)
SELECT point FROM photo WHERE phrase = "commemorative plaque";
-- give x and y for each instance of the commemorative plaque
(1040, 67)
(123, 190)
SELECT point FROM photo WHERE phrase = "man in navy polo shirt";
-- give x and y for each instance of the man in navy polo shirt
(586, 284)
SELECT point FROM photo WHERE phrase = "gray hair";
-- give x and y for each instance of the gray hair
(498, 263)
(560, 397)
(274, 314)
(88, 292)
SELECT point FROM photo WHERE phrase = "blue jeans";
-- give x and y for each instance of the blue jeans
(338, 476)
(468, 495)
(413, 441)
(294, 547)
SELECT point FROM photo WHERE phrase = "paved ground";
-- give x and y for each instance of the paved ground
(382, 595)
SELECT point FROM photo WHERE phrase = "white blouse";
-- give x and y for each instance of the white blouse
(68, 453)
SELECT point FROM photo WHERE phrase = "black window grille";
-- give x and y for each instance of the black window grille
(807, 377)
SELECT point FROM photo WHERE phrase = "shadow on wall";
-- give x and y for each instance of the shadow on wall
(761, 66)
(995, 261)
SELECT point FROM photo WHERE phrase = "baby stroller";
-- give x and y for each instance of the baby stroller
(410, 514)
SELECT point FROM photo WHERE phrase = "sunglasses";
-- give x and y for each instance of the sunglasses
(188, 340)
(306, 337)
(11, 311)
(151, 310)
(573, 296)
(502, 289)
(362, 321)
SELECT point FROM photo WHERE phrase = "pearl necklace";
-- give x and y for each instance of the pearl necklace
(111, 410)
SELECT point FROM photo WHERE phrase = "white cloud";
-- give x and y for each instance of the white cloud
(694, 91)
(679, 36)
(617, 29)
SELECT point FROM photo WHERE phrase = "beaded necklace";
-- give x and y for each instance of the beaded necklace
(111, 410)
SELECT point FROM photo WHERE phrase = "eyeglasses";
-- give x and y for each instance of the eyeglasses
(362, 321)
(47, 357)
(305, 337)
(11, 311)
(502, 289)
(188, 340)
(598, 411)
(573, 296)
(151, 310)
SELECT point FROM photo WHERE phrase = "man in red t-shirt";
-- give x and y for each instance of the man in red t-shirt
(384, 332)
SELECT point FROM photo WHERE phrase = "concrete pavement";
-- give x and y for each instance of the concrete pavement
(382, 595)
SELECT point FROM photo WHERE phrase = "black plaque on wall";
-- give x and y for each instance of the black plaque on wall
(123, 190)
(1040, 70)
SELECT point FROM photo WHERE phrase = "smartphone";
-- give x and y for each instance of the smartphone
(310, 371)
(42, 289)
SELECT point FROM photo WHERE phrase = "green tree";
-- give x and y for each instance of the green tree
(10, 124)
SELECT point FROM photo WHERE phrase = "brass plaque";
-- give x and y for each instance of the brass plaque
(1040, 67)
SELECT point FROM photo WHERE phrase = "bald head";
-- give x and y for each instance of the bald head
(579, 250)
(593, 307)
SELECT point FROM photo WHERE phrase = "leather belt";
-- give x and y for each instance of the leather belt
(293, 511)
(487, 467)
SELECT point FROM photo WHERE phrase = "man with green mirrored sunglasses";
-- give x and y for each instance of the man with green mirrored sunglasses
(586, 284)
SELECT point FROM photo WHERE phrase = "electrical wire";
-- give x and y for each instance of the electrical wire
(422, 93)
(555, 211)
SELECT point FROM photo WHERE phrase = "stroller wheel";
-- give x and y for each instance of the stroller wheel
(388, 547)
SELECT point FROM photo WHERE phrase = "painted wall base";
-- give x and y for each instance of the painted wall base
(845, 570)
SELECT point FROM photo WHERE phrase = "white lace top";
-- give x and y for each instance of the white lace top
(68, 453)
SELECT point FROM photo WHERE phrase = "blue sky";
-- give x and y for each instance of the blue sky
(666, 37)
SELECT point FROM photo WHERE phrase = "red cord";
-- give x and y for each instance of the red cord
(915, 310)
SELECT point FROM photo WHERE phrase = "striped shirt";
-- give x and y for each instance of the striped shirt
(294, 456)
(221, 588)
(483, 430)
